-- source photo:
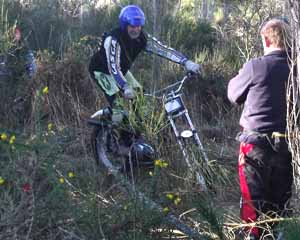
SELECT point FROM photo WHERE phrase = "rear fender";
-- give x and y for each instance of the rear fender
(97, 122)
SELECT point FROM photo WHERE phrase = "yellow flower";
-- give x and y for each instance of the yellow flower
(61, 180)
(2, 181)
(12, 139)
(177, 200)
(3, 136)
(151, 173)
(50, 126)
(166, 209)
(164, 164)
(170, 196)
(46, 90)
(160, 163)
(157, 162)
(71, 174)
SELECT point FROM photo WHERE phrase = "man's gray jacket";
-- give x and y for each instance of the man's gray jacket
(261, 87)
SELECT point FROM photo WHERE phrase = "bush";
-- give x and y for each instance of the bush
(188, 35)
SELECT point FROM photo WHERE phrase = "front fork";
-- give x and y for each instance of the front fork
(180, 140)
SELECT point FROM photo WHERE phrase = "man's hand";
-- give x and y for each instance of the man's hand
(192, 67)
(128, 92)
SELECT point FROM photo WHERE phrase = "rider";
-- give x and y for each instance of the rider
(109, 66)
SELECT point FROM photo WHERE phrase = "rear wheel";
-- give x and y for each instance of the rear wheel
(118, 149)
(108, 151)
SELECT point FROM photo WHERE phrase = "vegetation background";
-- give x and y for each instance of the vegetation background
(50, 186)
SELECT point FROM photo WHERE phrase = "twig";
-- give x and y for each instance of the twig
(73, 235)
(253, 224)
(117, 3)
(153, 205)
(32, 217)
(104, 200)
(187, 212)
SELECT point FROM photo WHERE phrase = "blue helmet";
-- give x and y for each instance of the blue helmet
(131, 15)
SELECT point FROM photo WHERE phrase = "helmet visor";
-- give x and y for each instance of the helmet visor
(136, 21)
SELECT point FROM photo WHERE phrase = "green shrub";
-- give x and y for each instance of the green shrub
(188, 35)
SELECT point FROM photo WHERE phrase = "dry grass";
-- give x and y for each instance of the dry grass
(92, 204)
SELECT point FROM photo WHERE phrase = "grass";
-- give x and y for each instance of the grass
(52, 184)
(51, 187)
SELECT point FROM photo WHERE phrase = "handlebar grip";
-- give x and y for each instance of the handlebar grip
(190, 74)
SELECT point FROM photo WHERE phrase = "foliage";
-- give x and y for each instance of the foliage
(12, 67)
(50, 187)
(54, 25)
(188, 35)
(6, 30)
(291, 231)
(147, 115)
(61, 194)
(243, 31)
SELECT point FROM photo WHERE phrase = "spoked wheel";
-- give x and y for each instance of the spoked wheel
(109, 153)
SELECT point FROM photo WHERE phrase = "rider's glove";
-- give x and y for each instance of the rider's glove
(192, 67)
(128, 92)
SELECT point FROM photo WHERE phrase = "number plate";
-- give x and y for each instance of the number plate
(173, 105)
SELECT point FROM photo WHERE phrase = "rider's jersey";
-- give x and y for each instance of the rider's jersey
(118, 51)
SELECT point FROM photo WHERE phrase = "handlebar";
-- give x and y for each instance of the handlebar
(173, 89)
(167, 92)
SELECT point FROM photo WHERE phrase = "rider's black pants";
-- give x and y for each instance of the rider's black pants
(265, 181)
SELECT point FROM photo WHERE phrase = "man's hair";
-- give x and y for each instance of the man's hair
(278, 32)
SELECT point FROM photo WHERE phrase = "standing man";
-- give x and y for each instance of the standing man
(20, 59)
(110, 66)
(265, 163)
